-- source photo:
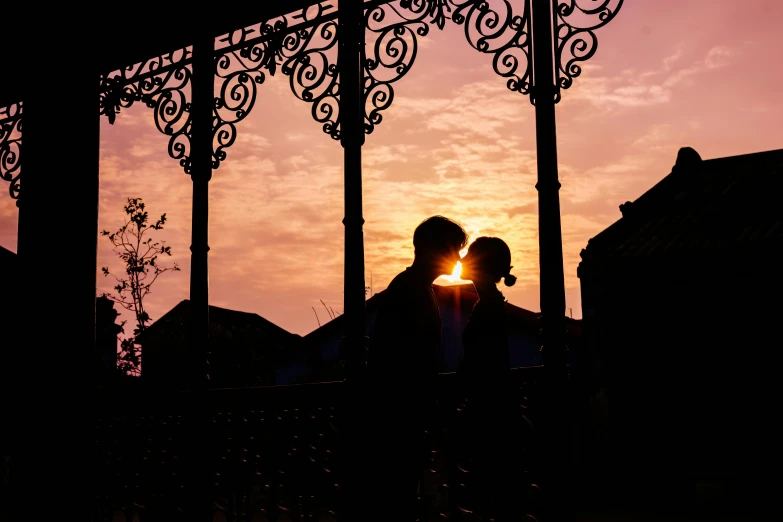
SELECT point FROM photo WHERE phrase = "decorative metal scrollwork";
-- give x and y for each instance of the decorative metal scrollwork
(303, 46)
(300, 45)
(495, 28)
(575, 21)
(240, 72)
(11, 147)
(501, 28)
(162, 84)
(313, 71)
(504, 30)
(390, 51)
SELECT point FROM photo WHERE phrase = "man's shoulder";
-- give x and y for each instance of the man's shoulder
(402, 278)
(407, 283)
(401, 291)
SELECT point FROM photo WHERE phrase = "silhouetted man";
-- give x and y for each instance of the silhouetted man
(403, 362)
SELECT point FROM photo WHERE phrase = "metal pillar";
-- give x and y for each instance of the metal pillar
(202, 103)
(53, 422)
(349, 63)
(555, 410)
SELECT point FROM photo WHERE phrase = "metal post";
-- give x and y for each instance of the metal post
(202, 103)
(349, 64)
(555, 411)
(351, 49)
(58, 235)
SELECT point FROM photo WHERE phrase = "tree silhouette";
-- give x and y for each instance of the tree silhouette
(140, 256)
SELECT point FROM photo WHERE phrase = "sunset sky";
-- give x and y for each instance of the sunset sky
(667, 74)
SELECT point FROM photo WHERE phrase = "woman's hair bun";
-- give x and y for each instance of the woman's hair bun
(509, 280)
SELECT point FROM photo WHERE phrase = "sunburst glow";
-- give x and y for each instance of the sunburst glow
(454, 277)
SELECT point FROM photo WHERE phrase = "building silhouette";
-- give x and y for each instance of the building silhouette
(245, 348)
(248, 350)
(320, 359)
(107, 331)
(9, 333)
(681, 298)
(9, 301)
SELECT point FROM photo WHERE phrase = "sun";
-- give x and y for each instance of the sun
(454, 277)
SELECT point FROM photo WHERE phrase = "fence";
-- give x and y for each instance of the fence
(267, 454)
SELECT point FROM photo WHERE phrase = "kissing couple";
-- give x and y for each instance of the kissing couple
(404, 359)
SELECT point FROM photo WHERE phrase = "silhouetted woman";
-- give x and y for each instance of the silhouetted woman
(484, 375)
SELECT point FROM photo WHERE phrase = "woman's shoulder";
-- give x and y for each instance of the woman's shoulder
(486, 316)
(491, 305)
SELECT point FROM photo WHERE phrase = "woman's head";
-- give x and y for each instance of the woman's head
(488, 259)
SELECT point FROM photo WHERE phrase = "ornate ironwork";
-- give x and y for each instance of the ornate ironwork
(313, 72)
(491, 27)
(240, 72)
(11, 147)
(162, 84)
(302, 45)
(390, 51)
(503, 30)
(575, 23)
(494, 28)
(297, 44)
(275, 453)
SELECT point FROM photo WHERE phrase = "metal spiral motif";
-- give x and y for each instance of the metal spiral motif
(239, 72)
(300, 45)
(503, 29)
(390, 51)
(11, 147)
(575, 23)
(162, 84)
(496, 28)
(493, 27)
(310, 60)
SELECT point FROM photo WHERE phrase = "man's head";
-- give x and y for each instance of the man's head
(437, 242)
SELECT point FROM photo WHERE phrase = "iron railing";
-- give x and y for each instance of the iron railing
(271, 453)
